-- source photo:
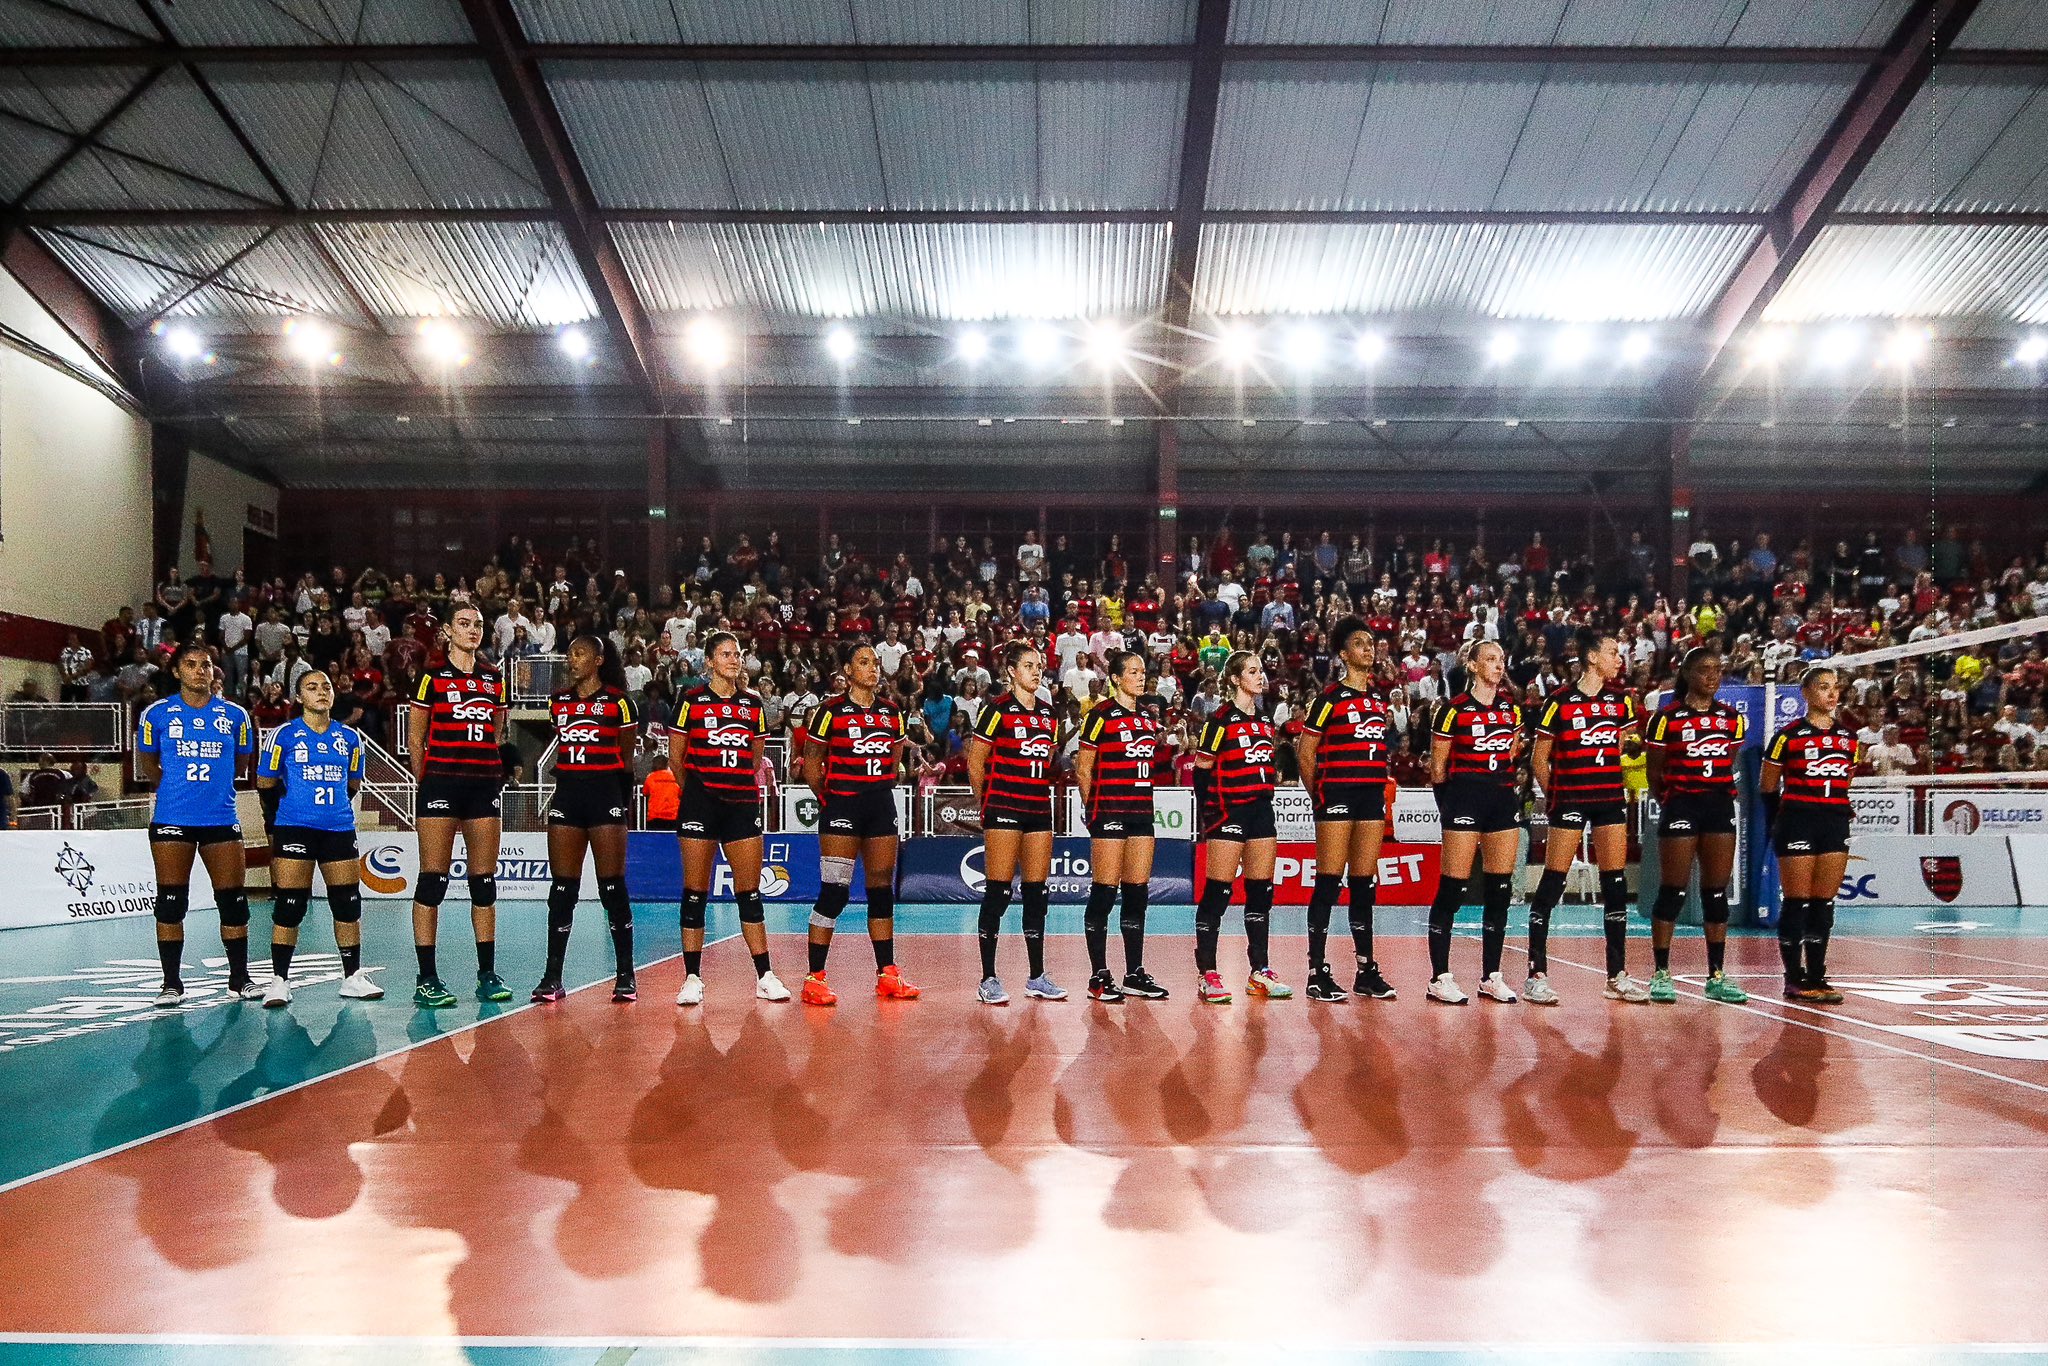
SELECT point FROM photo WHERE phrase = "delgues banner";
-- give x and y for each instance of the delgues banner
(59, 877)
(949, 869)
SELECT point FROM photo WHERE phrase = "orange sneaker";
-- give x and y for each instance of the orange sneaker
(890, 986)
(816, 993)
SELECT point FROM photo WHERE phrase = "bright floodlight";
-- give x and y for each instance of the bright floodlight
(973, 345)
(1571, 346)
(2033, 350)
(1636, 348)
(1770, 346)
(575, 343)
(707, 343)
(1371, 347)
(443, 343)
(840, 344)
(1236, 344)
(1107, 344)
(1304, 346)
(311, 341)
(1905, 347)
(1039, 344)
(1503, 347)
(1839, 347)
(183, 343)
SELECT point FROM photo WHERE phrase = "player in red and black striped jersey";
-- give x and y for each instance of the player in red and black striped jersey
(1115, 768)
(1475, 751)
(1009, 765)
(1806, 776)
(1577, 761)
(1343, 750)
(714, 750)
(852, 752)
(1236, 769)
(597, 732)
(455, 727)
(1693, 744)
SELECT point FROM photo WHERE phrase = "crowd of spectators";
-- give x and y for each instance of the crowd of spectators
(939, 618)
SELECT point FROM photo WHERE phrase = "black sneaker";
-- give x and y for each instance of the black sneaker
(1323, 987)
(1139, 983)
(624, 989)
(1102, 987)
(1368, 982)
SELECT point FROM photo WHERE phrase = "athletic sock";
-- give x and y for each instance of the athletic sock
(760, 965)
(486, 957)
(818, 954)
(425, 953)
(1321, 902)
(1717, 955)
(693, 962)
(238, 958)
(1497, 892)
(281, 959)
(1036, 898)
(1443, 912)
(1095, 924)
(351, 959)
(1549, 889)
(1132, 922)
(171, 953)
(1364, 892)
(1258, 918)
(1662, 956)
(1614, 918)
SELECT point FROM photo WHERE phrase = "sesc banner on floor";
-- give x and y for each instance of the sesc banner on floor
(948, 870)
(60, 877)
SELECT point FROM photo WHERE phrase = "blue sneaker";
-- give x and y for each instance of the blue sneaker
(1045, 989)
(991, 993)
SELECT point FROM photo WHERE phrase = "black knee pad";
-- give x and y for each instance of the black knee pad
(1036, 897)
(1549, 890)
(1329, 886)
(616, 900)
(483, 889)
(693, 909)
(562, 895)
(1450, 893)
(1792, 919)
(832, 899)
(752, 911)
(1820, 918)
(1258, 899)
(1101, 896)
(234, 907)
(1714, 905)
(172, 901)
(997, 895)
(1209, 911)
(432, 888)
(346, 902)
(1671, 901)
(882, 903)
(1497, 890)
(288, 911)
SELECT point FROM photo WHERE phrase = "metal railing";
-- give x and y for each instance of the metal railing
(130, 813)
(387, 784)
(64, 728)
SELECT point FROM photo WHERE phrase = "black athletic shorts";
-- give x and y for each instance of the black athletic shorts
(201, 835)
(1242, 823)
(590, 799)
(1036, 822)
(462, 799)
(1804, 828)
(318, 846)
(1572, 814)
(866, 814)
(1475, 806)
(1689, 814)
(708, 817)
(1121, 825)
(1349, 801)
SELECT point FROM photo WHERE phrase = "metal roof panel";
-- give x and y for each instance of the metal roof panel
(645, 137)
(92, 23)
(511, 276)
(315, 22)
(1920, 272)
(1538, 23)
(2007, 23)
(1972, 140)
(859, 21)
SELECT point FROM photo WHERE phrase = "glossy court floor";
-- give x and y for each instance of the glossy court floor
(937, 1181)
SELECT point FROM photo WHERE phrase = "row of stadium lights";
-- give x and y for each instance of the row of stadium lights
(1303, 346)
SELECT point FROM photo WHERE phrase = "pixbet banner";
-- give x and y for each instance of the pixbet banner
(60, 877)
(1407, 873)
(949, 869)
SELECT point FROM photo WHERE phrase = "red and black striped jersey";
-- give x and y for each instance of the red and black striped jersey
(861, 744)
(588, 732)
(1352, 733)
(1818, 764)
(1244, 744)
(1585, 743)
(1699, 747)
(1482, 736)
(718, 735)
(463, 710)
(1126, 746)
(1021, 742)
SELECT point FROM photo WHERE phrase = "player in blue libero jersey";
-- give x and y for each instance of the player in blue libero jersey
(193, 746)
(307, 776)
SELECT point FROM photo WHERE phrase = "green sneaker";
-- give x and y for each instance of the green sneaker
(1663, 990)
(431, 995)
(491, 987)
(1719, 988)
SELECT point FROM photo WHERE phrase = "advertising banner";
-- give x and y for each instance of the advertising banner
(789, 869)
(1884, 811)
(1173, 813)
(390, 868)
(948, 869)
(1999, 811)
(1416, 820)
(1407, 872)
(1927, 870)
(2030, 867)
(800, 810)
(59, 877)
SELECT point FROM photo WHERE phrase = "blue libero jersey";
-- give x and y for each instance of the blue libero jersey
(317, 768)
(198, 748)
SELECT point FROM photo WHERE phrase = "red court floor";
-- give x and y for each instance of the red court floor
(1373, 1171)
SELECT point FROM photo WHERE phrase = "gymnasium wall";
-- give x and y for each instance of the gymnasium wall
(74, 491)
(238, 508)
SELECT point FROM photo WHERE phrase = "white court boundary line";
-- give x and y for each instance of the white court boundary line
(208, 1118)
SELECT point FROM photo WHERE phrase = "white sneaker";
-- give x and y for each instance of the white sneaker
(278, 993)
(169, 998)
(1537, 991)
(1444, 989)
(1494, 987)
(692, 993)
(1622, 987)
(360, 986)
(251, 990)
(768, 987)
